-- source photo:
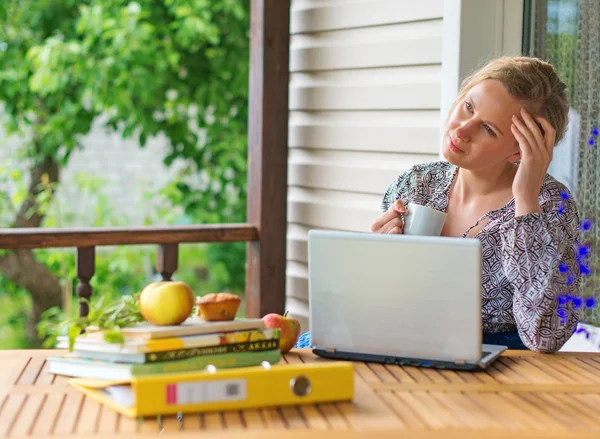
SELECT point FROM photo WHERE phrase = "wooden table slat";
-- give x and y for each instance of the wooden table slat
(11, 409)
(421, 409)
(581, 371)
(406, 414)
(170, 424)
(382, 373)
(69, 414)
(333, 414)
(553, 408)
(31, 409)
(313, 417)
(546, 367)
(438, 410)
(32, 370)
(47, 418)
(399, 374)
(566, 371)
(107, 420)
(576, 412)
(233, 420)
(435, 376)
(253, 419)
(273, 418)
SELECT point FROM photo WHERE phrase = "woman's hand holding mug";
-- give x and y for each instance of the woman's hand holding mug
(391, 221)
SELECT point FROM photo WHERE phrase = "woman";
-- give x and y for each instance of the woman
(498, 144)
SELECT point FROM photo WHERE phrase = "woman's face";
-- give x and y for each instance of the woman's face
(478, 134)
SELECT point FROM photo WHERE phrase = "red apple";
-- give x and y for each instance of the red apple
(290, 329)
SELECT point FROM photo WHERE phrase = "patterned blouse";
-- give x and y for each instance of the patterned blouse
(529, 263)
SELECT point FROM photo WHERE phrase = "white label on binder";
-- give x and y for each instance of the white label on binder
(207, 391)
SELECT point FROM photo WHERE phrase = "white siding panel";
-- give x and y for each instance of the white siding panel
(387, 75)
(317, 215)
(303, 4)
(297, 250)
(398, 162)
(406, 139)
(364, 13)
(377, 54)
(423, 95)
(369, 173)
(297, 280)
(298, 309)
(364, 107)
(368, 35)
(372, 118)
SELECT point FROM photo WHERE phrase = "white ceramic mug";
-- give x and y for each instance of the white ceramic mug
(424, 221)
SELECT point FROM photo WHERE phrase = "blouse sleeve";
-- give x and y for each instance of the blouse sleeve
(398, 190)
(540, 261)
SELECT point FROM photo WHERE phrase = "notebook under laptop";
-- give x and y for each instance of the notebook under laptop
(409, 300)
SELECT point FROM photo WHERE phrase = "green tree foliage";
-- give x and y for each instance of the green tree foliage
(147, 67)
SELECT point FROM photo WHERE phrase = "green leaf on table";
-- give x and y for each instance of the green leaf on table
(114, 337)
(73, 333)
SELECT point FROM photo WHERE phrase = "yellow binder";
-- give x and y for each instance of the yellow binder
(226, 389)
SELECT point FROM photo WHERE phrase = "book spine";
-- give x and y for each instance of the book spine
(220, 361)
(179, 354)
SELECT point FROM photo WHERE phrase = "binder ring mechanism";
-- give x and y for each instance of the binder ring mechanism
(300, 385)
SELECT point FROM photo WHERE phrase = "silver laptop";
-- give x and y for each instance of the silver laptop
(409, 300)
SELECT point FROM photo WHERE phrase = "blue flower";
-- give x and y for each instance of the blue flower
(595, 131)
(591, 141)
(564, 195)
(577, 302)
(570, 280)
(587, 224)
(563, 268)
(561, 209)
(584, 269)
(583, 251)
(590, 302)
(562, 300)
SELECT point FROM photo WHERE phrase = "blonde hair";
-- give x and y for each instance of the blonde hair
(532, 81)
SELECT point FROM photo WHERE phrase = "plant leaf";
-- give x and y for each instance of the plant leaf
(114, 337)
(74, 332)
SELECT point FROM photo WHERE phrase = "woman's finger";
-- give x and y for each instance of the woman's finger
(396, 222)
(538, 138)
(399, 207)
(550, 134)
(384, 218)
(525, 136)
(395, 231)
(522, 141)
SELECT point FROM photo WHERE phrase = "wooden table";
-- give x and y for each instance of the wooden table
(522, 395)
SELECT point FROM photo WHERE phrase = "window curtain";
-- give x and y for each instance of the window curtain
(567, 34)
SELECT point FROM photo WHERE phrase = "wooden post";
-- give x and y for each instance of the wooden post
(86, 267)
(267, 155)
(166, 260)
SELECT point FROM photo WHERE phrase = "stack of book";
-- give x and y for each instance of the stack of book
(195, 345)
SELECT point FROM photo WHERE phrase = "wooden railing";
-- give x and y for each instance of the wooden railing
(85, 240)
(267, 185)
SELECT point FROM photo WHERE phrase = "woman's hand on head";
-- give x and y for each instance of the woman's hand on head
(536, 153)
(391, 221)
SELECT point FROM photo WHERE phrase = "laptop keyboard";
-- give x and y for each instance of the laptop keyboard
(485, 354)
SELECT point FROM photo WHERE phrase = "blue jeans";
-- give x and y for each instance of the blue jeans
(510, 339)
